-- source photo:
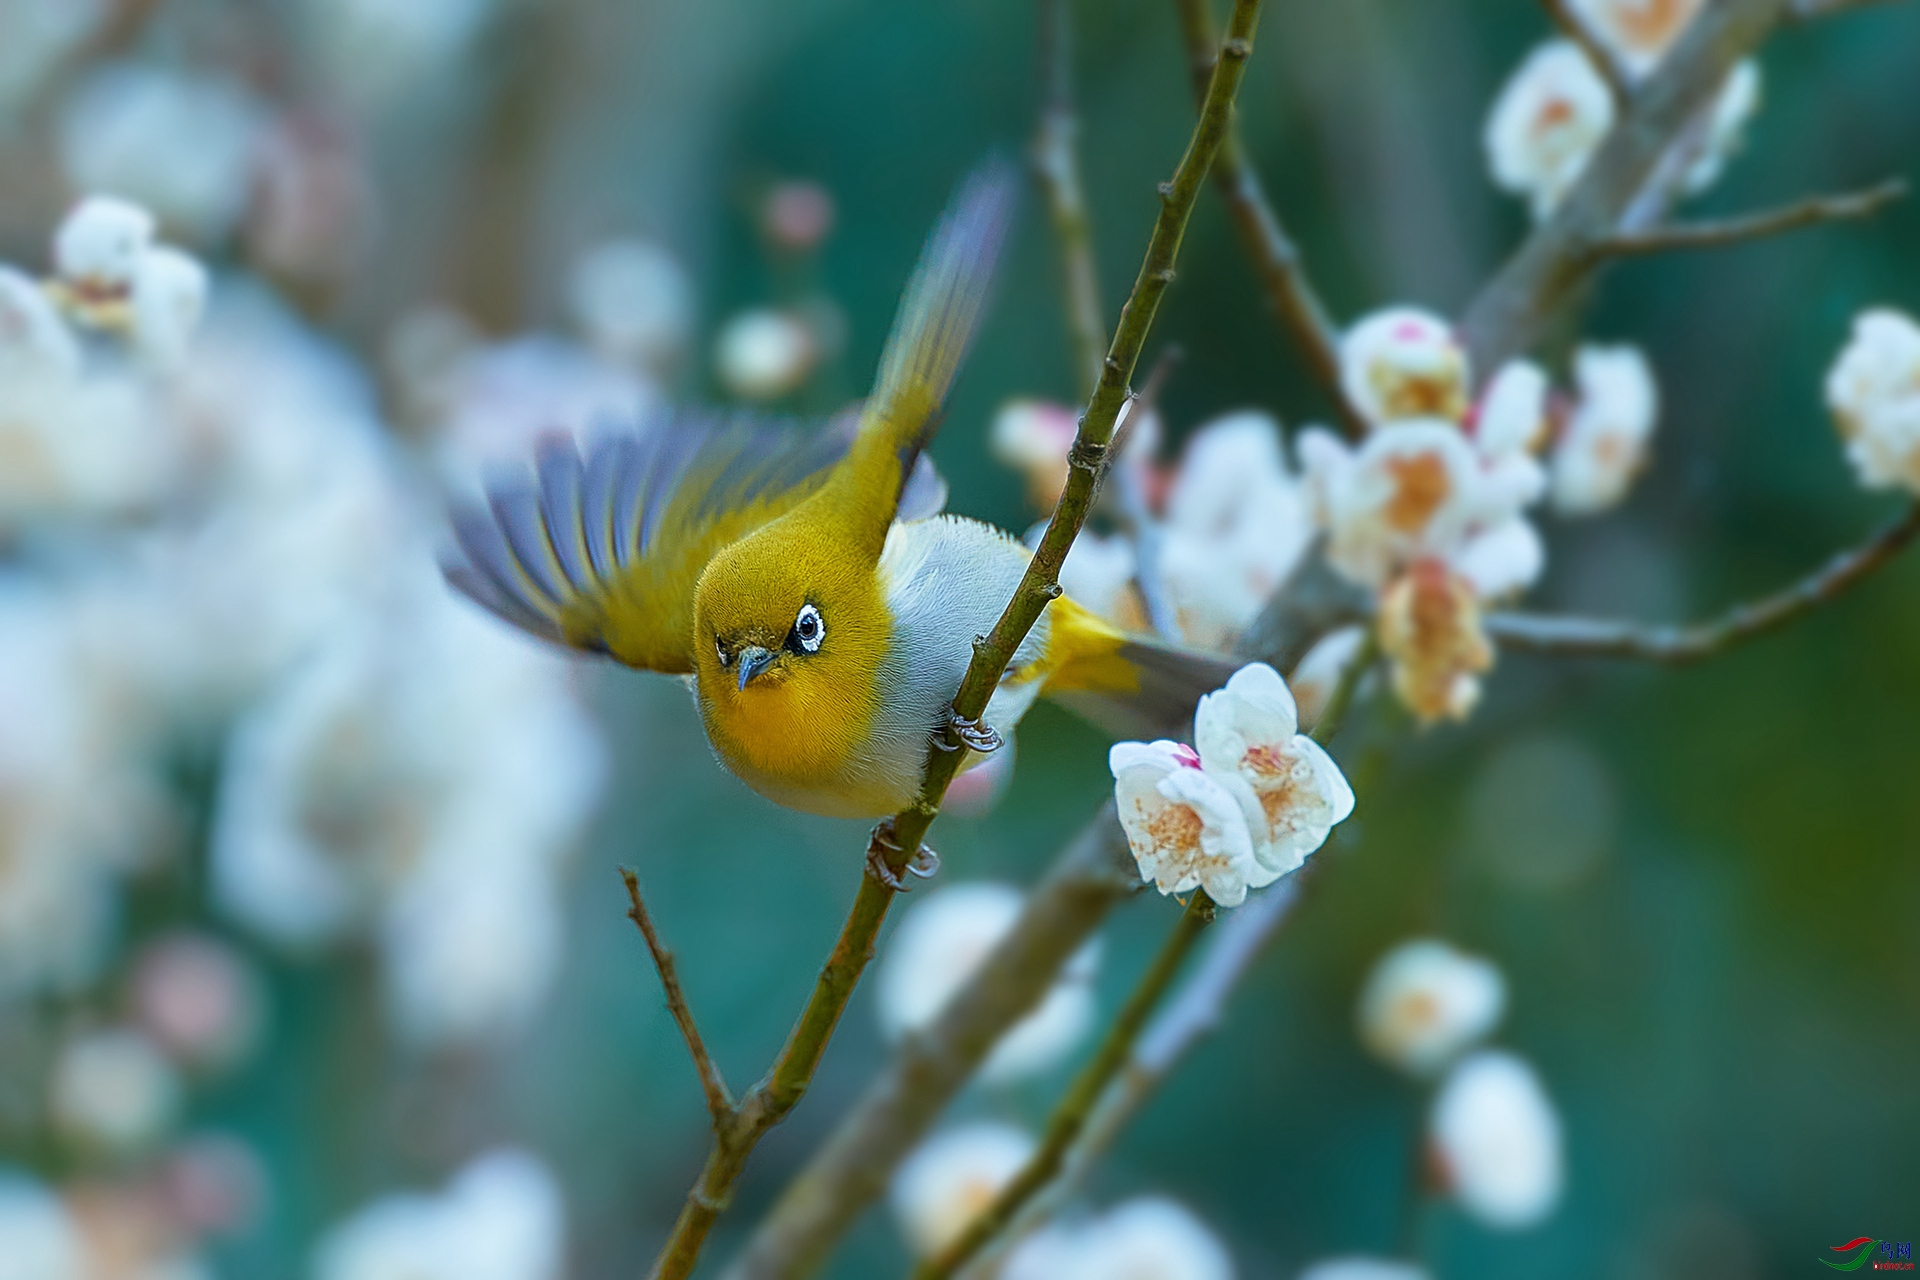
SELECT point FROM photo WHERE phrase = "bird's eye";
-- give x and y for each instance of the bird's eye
(720, 651)
(809, 629)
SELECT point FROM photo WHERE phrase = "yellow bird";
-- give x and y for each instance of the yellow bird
(805, 580)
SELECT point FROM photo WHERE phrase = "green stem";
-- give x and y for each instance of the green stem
(1056, 162)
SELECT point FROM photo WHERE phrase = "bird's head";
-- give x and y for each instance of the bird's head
(790, 631)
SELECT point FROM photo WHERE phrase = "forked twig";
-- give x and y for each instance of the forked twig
(719, 1099)
(1810, 212)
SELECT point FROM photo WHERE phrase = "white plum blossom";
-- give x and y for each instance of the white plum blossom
(1725, 126)
(1242, 810)
(764, 354)
(634, 303)
(1359, 1268)
(1503, 560)
(1496, 1139)
(168, 298)
(1639, 32)
(39, 1239)
(1546, 124)
(1425, 1003)
(1237, 522)
(1403, 362)
(1032, 437)
(99, 245)
(35, 343)
(1873, 390)
(1511, 416)
(183, 144)
(1603, 444)
(941, 944)
(501, 1218)
(114, 1090)
(1147, 1238)
(1411, 489)
(953, 1176)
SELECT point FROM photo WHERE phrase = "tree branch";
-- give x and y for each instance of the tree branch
(769, 1101)
(1272, 251)
(1554, 263)
(1809, 10)
(1769, 222)
(719, 1100)
(1070, 1116)
(1618, 79)
(1600, 638)
(1056, 163)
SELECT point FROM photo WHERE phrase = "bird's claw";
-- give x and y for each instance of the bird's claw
(974, 735)
(924, 864)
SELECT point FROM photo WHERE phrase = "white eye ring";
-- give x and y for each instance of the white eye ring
(720, 652)
(809, 629)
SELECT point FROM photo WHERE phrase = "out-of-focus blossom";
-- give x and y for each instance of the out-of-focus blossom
(1725, 127)
(1496, 1140)
(1503, 560)
(169, 297)
(198, 999)
(41, 35)
(1032, 437)
(38, 1237)
(1237, 522)
(634, 304)
(375, 51)
(181, 143)
(501, 1218)
(1639, 32)
(213, 1184)
(99, 246)
(1547, 123)
(1357, 1268)
(114, 1090)
(126, 1231)
(951, 1178)
(1873, 390)
(1402, 362)
(1315, 677)
(1425, 1003)
(35, 343)
(1603, 445)
(1511, 416)
(941, 944)
(764, 354)
(312, 200)
(1148, 1238)
(985, 779)
(797, 215)
(1411, 489)
(1243, 809)
(1098, 573)
(1429, 627)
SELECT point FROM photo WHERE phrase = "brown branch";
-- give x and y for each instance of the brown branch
(1056, 163)
(1810, 10)
(1554, 263)
(1262, 237)
(1619, 80)
(1076, 1107)
(769, 1101)
(1676, 645)
(719, 1100)
(1813, 211)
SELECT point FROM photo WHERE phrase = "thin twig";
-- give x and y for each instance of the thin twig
(769, 1101)
(1070, 1116)
(1601, 638)
(1809, 10)
(1812, 211)
(1553, 265)
(1262, 236)
(1606, 62)
(1056, 163)
(719, 1100)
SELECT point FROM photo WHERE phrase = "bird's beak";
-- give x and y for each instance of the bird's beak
(753, 660)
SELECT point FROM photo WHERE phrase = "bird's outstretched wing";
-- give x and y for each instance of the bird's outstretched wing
(603, 553)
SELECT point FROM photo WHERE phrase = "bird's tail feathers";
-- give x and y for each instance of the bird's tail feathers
(1132, 686)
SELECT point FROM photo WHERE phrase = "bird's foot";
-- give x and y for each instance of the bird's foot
(974, 735)
(924, 864)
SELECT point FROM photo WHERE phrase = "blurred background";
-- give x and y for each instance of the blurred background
(308, 889)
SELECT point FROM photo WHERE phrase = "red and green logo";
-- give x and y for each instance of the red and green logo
(1877, 1255)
